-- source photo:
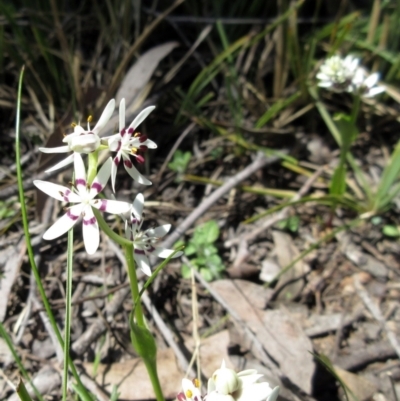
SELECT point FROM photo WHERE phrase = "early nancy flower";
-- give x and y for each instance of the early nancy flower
(337, 73)
(81, 140)
(190, 391)
(83, 195)
(345, 75)
(227, 385)
(144, 242)
(128, 142)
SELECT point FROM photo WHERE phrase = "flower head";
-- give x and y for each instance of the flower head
(345, 75)
(81, 140)
(227, 385)
(337, 73)
(191, 391)
(83, 197)
(129, 142)
(144, 242)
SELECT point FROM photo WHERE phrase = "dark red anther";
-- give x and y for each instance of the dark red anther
(143, 148)
(142, 138)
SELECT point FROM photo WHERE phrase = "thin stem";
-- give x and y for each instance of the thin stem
(67, 331)
(29, 248)
(130, 261)
(151, 366)
(92, 166)
(110, 233)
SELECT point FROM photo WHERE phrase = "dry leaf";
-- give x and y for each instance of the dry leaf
(140, 73)
(278, 332)
(286, 252)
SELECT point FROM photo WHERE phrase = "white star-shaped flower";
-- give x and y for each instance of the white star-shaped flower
(227, 385)
(337, 73)
(144, 242)
(83, 196)
(128, 142)
(81, 140)
(190, 391)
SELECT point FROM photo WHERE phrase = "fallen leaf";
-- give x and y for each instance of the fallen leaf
(279, 333)
(286, 252)
(140, 73)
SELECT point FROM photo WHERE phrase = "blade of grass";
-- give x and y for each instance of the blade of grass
(23, 392)
(17, 359)
(25, 224)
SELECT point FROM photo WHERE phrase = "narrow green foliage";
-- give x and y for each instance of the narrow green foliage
(202, 252)
(17, 359)
(291, 224)
(23, 392)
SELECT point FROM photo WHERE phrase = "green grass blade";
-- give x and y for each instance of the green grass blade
(23, 392)
(18, 361)
(29, 248)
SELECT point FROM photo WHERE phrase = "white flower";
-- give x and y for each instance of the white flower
(337, 73)
(191, 391)
(144, 241)
(84, 198)
(227, 385)
(345, 75)
(128, 142)
(81, 140)
(366, 85)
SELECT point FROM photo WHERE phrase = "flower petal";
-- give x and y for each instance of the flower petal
(101, 178)
(59, 149)
(62, 163)
(158, 232)
(142, 261)
(64, 223)
(137, 206)
(165, 253)
(105, 116)
(56, 191)
(274, 394)
(90, 231)
(121, 114)
(141, 117)
(111, 206)
(132, 171)
(253, 392)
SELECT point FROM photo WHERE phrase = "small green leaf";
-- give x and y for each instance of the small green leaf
(391, 231)
(191, 249)
(207, 275)
(185, 271)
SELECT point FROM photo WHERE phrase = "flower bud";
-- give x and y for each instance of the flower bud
(224, 380)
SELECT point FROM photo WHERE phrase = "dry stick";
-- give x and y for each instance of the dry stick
(187, 131)
(259, 162)
(279, 216)
(377, 314)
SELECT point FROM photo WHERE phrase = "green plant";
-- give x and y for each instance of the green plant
(203, 252)
(180, 162)
(290, 224)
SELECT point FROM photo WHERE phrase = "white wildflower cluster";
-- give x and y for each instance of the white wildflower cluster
(83, 196)
(346, 75)
(227, 385)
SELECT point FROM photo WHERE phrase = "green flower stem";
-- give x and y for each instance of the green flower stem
(150, 362)
(29, 248)
(68, 313)
(130, 262)
(92, 166)
(356, 108)
(110, 233)
(148, 359)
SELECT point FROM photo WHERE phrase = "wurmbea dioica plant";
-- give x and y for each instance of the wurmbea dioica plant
(227, 385)
(340, 75)
(85, 202)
